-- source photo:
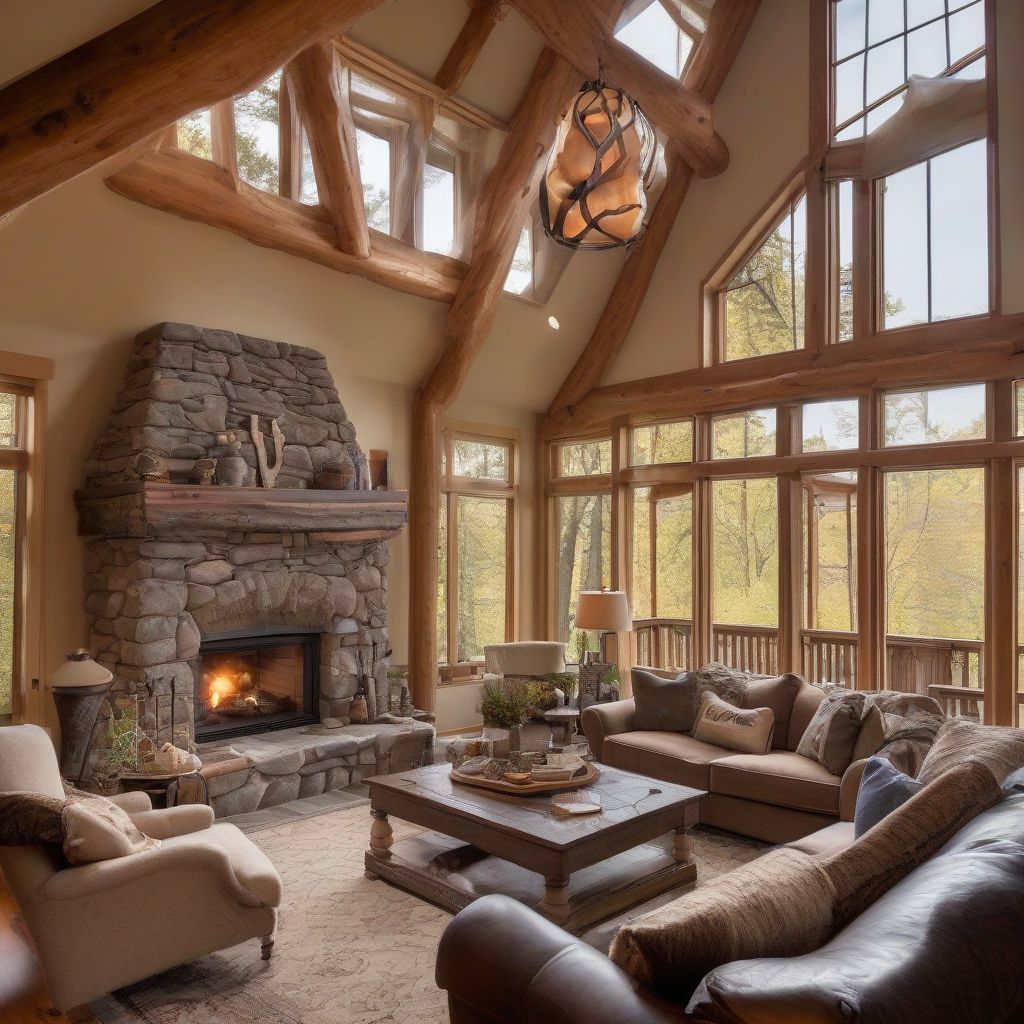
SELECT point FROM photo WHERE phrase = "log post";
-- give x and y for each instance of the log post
(321, 92)
(506, 197)
(477, 29)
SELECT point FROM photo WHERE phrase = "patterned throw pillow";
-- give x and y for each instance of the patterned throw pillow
(30, 819)
(999, 748)
(883, 788)
(831, 734)
(748, 731)
(664, 705)
(96, 829)
(779, 905)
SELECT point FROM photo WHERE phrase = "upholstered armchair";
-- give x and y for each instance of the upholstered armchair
(98, 927)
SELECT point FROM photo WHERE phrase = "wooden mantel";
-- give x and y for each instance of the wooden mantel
(149, 509)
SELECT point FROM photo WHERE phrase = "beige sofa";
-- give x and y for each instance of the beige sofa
(98, 927)
(776, 797)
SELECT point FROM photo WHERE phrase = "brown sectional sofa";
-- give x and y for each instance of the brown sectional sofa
(776, 797)
(942, 945)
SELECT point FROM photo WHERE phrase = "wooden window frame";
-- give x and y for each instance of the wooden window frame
(839, 161)
(27, 377)
(453, 487)
(713, 289)
(1000, 453)
(660, 421)
(409, 142)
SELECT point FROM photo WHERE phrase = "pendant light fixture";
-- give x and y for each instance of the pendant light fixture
(593, 194)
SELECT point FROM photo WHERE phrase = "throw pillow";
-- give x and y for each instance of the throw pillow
(883, 788)
(832, 732)
(872, 734)
(775, 692)
(999, 748)
(96, 829)
(664, 705)
(728, 683)
(779, 905)
(28, 819)
(908, 836)
(748, 731)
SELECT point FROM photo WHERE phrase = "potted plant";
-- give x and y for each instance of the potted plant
(504, 704)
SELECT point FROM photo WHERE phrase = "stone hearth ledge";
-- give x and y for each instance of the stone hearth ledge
(250, 773)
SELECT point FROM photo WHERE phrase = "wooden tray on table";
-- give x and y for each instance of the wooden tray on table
(587, 777)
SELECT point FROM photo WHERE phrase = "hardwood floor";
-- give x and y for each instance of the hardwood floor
(23, 998)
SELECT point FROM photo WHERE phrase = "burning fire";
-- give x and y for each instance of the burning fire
(220, 689)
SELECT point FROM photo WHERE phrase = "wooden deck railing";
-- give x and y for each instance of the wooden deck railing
(664, 643)
(951, 671)
(751, 648)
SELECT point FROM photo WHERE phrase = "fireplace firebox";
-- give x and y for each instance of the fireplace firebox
(248, 683)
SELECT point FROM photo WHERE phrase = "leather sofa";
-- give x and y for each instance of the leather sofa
(775, 797)
(942, 945)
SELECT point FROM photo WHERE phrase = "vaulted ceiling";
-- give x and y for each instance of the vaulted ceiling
(419, 36)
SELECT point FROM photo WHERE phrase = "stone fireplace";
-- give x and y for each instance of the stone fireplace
(227, 609)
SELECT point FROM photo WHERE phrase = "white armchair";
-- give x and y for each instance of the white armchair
(98, 927)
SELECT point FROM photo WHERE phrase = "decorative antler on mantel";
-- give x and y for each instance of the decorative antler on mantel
(268, 474)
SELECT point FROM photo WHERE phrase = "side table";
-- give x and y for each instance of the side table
(563, 724)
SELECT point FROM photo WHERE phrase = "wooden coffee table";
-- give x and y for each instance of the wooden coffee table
(574, 870)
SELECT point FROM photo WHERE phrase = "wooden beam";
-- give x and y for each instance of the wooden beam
(485, 14)
(726, 31)
(175, 57)
(728, 24)
(199, 190)
(321, 92)
(222, 136)
(576, 30)
(983, 348)
(507, 194)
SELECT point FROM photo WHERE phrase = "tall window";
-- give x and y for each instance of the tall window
(258, 135)
(584, 559)
(374, 153)
(935, 238)
(10, 449)
(879, 44)
(20, 542)
(935, 580)
(662, 573)
(477, 535)
(764, 299)
(745, 572)
(829, 518)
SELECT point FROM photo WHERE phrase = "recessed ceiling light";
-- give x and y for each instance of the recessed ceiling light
(553, 323)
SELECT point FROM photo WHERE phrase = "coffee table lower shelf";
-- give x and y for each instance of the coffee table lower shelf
(452, 874)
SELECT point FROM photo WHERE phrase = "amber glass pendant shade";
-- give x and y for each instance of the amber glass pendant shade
(593, 195)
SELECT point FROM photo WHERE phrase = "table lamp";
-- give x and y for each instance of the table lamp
(604, 611)
(79, 687)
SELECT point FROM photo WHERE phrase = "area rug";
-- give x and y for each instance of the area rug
(349, 951)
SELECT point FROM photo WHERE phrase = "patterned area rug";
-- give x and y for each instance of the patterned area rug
(349, 951)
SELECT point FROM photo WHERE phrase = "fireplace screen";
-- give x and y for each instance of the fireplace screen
(255, 683)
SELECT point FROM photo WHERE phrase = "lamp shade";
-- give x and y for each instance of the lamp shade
(593, 195)
(79, 671)
(604, 610)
